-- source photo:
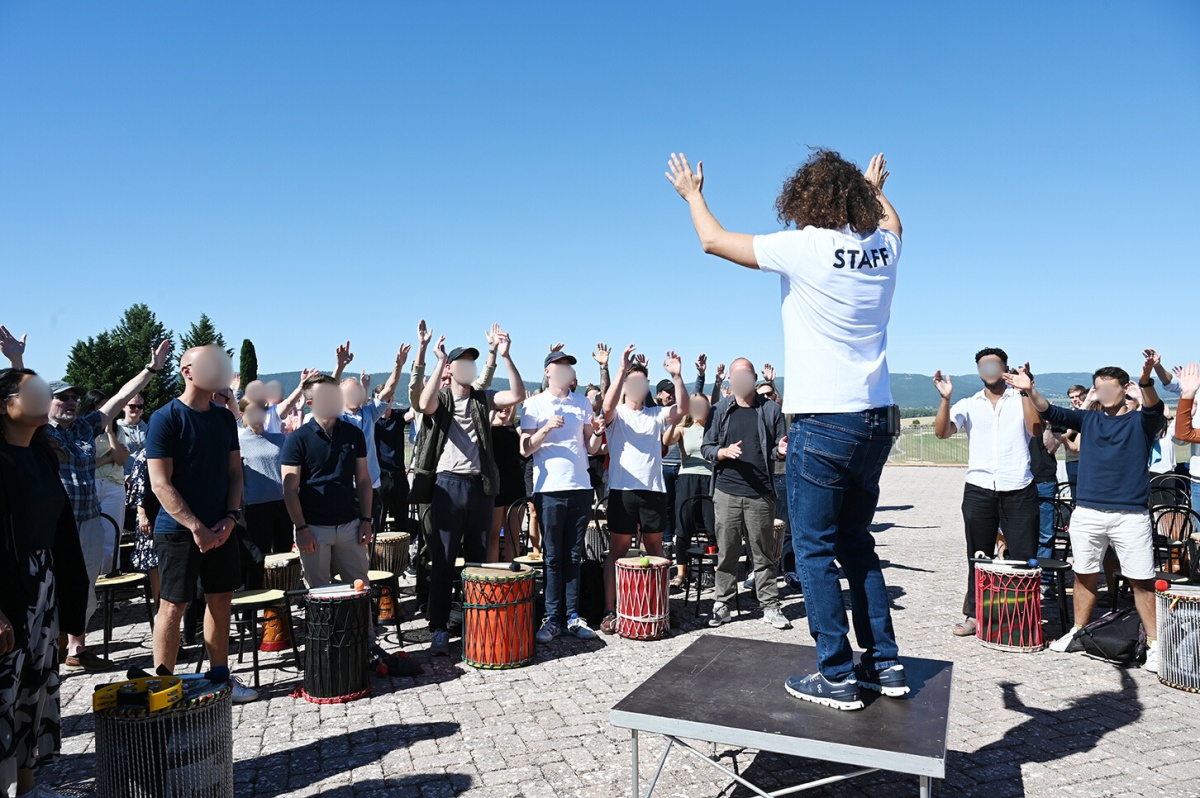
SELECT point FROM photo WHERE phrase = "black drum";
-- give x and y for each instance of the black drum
(336, 645)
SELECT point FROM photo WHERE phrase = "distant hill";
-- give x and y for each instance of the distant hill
(913, 392)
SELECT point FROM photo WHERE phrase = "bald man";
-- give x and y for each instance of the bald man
(195, 467)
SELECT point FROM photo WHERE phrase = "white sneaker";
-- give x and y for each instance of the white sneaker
(775, 617)
(579, 627)
(1151, 658)
(241, 693)
(1060, 645)
(720, 614)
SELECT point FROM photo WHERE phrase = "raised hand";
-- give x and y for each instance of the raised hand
(365, 379)
(1022, 380)
(601, 354)
(640, 360)
(308, 374)
(1152, 359)
(701, 364)
(943, 384)
(492, 334)
(1189, 380)
(11, 347)
(424, 334)
(440, 349)
(720, 372)
(160, 353)
(768, 372)
(598, 425)
(689, 184)
(1091, 398)
(673, 364)
(503, 343)
(402, 354)
(627, 359)
(877, 172)
(344, 355)
(556, 347)
(236, 382)
(1133, 391)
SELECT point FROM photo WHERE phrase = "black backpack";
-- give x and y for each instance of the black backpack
(1117, 637)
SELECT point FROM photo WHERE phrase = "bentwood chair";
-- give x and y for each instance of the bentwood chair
(117, 584)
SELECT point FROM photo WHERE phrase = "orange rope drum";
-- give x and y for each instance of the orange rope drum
(498, 617)
(643, 608)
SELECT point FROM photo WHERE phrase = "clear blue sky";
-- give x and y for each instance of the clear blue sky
(311, 172)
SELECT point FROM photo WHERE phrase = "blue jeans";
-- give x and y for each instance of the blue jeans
(564, 518)
(787, 556)
(1045, 549)
(833, 468)
(670, 475)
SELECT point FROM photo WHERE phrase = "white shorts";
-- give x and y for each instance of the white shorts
(1093, 531)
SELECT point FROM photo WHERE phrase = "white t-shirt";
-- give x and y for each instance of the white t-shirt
(560, 463)
(997, 440)
(635, 449)
(837, 291)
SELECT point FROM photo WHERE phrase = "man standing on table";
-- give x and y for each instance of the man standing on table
(195, 466)
(744, 437)
(838, 274)
(559, 430)
(999, 423)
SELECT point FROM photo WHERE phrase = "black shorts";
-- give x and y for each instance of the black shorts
(627, 509)
(180, 565)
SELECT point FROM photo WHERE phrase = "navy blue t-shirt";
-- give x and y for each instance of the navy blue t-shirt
(389, 441)
(198, 444)
(1114, 455)
(328, 463)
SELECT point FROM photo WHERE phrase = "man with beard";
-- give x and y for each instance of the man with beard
(1000, 490)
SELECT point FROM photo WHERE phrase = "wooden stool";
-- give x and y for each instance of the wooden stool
(113, 586)
(248, 604)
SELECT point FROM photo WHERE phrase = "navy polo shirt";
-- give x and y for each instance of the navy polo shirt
(328, 463)
(390, 440)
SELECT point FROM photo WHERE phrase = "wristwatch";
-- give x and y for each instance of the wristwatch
(233, 515)
(1149, 384)
(150, 368)
(366, 520)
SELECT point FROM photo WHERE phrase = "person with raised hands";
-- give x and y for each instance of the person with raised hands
(455, 448)
(12, 348)
(1113, 491)
(637, 494)
(1188, 379)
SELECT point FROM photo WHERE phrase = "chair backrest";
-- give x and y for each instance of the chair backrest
(514, 523)
(692, 511)
(116, 532)
(1066, 492)
(1170, 490)
(1176, 535)
(1061, 524)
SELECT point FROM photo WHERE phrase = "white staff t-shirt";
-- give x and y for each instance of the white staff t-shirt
(837, 291)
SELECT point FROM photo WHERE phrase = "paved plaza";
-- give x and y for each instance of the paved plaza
(1021, 724)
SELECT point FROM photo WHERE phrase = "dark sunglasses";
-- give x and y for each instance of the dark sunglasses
(135, 407)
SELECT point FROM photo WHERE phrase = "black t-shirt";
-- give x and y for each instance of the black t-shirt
(390, 441)
(1043, 464)
(328, 463)
(747, 475)
(198, 443)
(506, 447)
(34, 485)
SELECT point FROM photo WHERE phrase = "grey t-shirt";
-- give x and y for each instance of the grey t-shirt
(461, 453)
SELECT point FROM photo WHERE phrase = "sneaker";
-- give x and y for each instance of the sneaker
(579, 627)
(819, 690)
(720, 614)
(609, 624)
(1151, 663)
(793, 583)
(775, 617)
(889, 681)
(1063, 643)
(548, 632)
(439, 645)
(241, 693)
(93, 663)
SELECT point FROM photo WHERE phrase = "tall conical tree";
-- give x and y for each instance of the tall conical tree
(202, 333)
(107, 361)
(248, 362)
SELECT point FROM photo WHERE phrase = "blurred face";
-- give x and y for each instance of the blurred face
(742, 379)
(63, 408)
(698, 408)
(30, 405)
(326, 401)
(666, 398)
(1109, 392)
(255, 417)
(353, 394)
(207, 367)
(502, 418)
(274, 392)
(133, 410)
(561, 375)
(991, 370)
(1076, 398)
(593, 395)
(636, 386)
(256, 391)
(463, 372)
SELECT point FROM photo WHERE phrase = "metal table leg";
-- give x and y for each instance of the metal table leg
(925, 787)
(636, 787)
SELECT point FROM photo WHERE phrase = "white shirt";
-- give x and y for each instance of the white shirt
(560, 463)
(273, 424)
(998, 441)
(635, 449)
(837, 291)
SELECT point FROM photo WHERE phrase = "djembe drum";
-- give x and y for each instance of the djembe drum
(498, 617)
(280, 572)
(391, 556)
(1178, 636)
(337, 644)
(643, 605)
(1008, 605)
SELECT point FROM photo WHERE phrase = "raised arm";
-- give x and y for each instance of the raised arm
(1189, 383)
(416, 380)
(1033, 419)
(12, 348)
(158, 359)
(943, 427)
(516, 388)
(429, 394)
(344, 358)
(612, 397)
(484, 380)
(715, 239)
(877, 174)
(720, 380)
(674, 367)
(289, 403)
(389, 387)
(1150, 396)
(601, 357)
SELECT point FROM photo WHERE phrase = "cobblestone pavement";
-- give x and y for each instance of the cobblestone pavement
(1021, 724)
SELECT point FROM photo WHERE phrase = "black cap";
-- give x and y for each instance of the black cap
(665, 385)
(554, 357)
(463, 351)
(61, 386)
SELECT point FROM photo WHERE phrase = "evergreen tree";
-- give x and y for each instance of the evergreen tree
(109, 360)
(202, 333)
(248, 362)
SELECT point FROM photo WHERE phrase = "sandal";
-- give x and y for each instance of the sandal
(678, 583)
(965, 628)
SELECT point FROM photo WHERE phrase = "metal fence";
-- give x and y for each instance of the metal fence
(920, 446)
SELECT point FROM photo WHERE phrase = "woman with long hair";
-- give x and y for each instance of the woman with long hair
(111, 456)
(43, 581)
(695, 479)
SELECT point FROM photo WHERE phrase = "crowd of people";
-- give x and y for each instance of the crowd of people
(225, 473)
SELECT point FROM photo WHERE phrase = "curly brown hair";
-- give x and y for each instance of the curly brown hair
(829, 191)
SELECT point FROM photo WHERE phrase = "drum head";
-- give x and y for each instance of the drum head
(636, 562)
(280, 560)
(495, 574)
(391, 537)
